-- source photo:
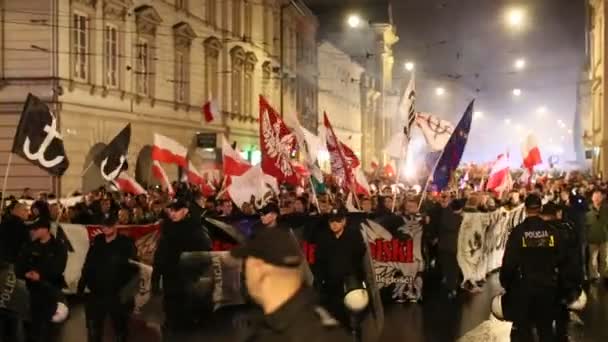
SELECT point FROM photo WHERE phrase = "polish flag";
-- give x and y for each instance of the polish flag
(361, 184)
(127, 184)
(160, 174)
(499, 178)
(211, 112)
(167, 150)
(531, 153)
(234, 163)
(193, 176)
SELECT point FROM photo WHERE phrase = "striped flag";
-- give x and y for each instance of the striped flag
(408, 104)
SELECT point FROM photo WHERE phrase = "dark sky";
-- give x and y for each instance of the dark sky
(466, 47)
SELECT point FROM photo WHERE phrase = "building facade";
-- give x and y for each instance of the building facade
(340, 94)
(101, 64)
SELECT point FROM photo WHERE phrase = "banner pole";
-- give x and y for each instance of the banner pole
(314, 192)
(4, 183)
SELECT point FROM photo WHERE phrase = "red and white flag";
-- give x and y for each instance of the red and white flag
(211, 112)
(530, 152)
(341, 166)
(127, 184)
(499, 179)
(159, 173)
(193, 176)
(277, 143)
(233, 163)
(361, 184)
(167, 150)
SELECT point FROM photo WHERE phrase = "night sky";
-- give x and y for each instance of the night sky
(467, 47)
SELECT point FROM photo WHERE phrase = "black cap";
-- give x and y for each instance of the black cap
(274, 246)
(41, 222)
(550, 209)
(533, 201)
(337, 215)
(177, 204)
(270, 208)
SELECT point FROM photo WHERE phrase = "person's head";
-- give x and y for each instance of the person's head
(387, 201)
(247, 208)
(106, 205)
(445, 199)
(272, 268)
(55, 211)
(366, 204)
(269, 214)
(210, 204)
(337, 221)
(565, 196)
(124, 216)
(597, 198)
(27, 194)
(177, 210)
(550, 212)
(299, 205)
(226, 207)
(40, 229)
(138, 214)
(108, 227)
(411, 206)
(324, 204)
(20, 210)
(533, 204)
(199, 199)
(514, 198)
(156, 207)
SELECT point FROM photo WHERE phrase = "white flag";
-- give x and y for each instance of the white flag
(252, 183)
(308, 142)
(396, 146)
(436, 131)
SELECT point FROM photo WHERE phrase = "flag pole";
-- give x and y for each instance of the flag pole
(314, 192)
(4, 183)
(426, 185)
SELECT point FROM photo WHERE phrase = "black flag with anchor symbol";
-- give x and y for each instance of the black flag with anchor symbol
(113, 159)
(37, 138)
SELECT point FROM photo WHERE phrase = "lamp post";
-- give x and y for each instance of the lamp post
(282, 44)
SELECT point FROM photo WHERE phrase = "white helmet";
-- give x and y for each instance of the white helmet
(580, 303)
(497, 307)
(61, 314)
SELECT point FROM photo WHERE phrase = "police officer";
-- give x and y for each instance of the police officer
(339, 255)
(106, 272)
(571, 277)
(180, 233)
(533, 259)
(41, 263)
(274, 281)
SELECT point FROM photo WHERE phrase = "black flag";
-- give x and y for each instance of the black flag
(113, 159)
(37, 138)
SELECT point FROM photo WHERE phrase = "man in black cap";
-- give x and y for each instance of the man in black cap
(180, 233)
(571, 277)
(339, 256)
(533, 261)
(106, 272)
(275, 282)
(269, 219)
(41, 263)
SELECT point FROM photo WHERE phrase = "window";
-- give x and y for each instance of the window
(181, 77)
(111, 56)
(250, 63)
(212, 53)
(238, 60)
(80, 47)
(211, 12)
(142, 70)
(181, 4)
(236, 18)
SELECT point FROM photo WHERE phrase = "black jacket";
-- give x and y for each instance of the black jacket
(300, 319)
(177, 237)
(107, 269)
(14, 234)
(448, 230)
(534, 257)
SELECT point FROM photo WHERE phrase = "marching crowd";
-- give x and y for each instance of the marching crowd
(272, 273)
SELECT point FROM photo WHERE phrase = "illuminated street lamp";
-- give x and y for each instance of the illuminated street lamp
(515, 17)
(439, 91)
(520, 63)
(517, 92)
(409, 66)
(478, 115)
(542, 110)
(354, 21)
(507, 121)
(570, 131)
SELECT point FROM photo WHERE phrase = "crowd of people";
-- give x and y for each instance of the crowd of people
(39, 258)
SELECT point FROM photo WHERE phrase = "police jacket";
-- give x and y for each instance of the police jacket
(177, 237)
(300, 319)
(534, 256)
(571, 275)
(107, 269)
(14, 234)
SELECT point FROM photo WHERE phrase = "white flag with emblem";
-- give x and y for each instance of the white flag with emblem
(436, 131)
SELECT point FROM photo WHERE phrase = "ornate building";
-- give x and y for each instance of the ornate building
(595, 124)
(101, 64)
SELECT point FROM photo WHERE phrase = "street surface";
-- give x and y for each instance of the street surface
(436, 320)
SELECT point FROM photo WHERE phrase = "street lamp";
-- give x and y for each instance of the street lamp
(439, 91)
(517, 92)
(520, 63)
(354, 20)
(409, 66)
(507, 121)
(542, 110)
(478, 115)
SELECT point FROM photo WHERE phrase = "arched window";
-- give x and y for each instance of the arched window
(147, 20)
(183, 36)
(212, 60)
(237, 55)
(250, 62)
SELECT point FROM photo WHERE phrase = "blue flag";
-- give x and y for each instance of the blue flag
(452, 153)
